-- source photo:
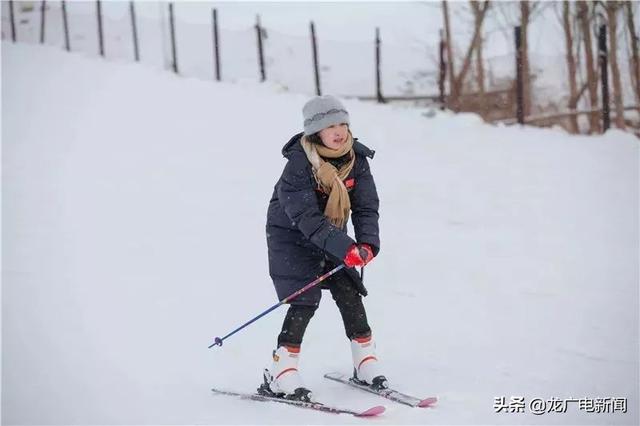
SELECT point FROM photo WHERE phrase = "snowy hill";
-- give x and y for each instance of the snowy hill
(134, 205)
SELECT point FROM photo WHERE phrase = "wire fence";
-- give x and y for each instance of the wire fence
(162, 35)
(347, 68)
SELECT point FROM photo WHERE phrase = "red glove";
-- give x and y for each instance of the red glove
(358, 255)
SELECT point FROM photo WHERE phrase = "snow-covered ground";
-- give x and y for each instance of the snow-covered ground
(134, 205)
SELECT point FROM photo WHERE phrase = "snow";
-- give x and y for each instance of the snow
(134, 205)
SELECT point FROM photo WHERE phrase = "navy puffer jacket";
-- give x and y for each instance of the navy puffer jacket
(302, 243)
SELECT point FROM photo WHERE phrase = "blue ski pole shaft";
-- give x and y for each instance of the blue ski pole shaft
(218, 340)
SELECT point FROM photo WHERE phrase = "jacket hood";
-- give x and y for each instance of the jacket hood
(294, 145)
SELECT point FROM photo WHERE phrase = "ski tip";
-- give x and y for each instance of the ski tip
(373, 411)
(428, 402)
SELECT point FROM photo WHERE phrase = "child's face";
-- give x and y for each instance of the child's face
(334, 137)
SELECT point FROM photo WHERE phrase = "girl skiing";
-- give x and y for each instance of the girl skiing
(326, 178)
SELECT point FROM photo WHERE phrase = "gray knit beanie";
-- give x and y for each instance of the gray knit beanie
(321, 112)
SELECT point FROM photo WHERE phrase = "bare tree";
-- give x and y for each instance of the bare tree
(584, 17)
(448, 44)
(571, 64)
(635, 61)
(612, 8)
(475, 7)
(459, 80)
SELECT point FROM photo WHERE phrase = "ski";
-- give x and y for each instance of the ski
(390, 394)
(371, 412)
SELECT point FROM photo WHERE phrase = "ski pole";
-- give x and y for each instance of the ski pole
(218, 340)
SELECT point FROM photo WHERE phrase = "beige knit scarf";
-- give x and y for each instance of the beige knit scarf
(331, 179)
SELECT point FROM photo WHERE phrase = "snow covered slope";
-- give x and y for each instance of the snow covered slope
(134, 204)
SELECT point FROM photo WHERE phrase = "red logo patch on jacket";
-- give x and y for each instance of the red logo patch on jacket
(349, 184)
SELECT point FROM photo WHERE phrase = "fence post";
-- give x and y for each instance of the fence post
(100, 35)
(519, 86)
(43, 8)
(216, 44)
(602, 56)
(315, 59)
(173, 38)
(443, 72)
(378, 75)
(13, 21)
(134, 29)
(263, 75)
(65, 23)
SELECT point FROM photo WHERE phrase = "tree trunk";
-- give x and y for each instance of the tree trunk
(475, 6)
(480, 69)
(585, 20)
(474, 44)
(571, 65)
(612, 16)
(525, 12)
(635, 62)
(452, 99)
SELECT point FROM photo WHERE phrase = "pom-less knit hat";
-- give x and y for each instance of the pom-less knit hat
(321, 112)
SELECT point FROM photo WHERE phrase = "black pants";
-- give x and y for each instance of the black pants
(349, 303)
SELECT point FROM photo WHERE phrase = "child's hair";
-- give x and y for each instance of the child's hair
(315, 138)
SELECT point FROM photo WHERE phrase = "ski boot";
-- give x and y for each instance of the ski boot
(283, 380)
(365, 364)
